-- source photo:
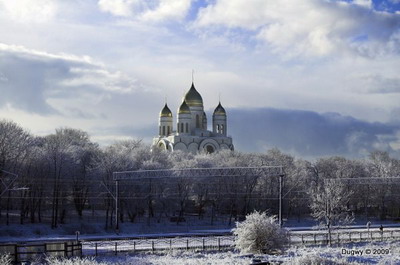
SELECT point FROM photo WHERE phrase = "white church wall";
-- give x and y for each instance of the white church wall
(180, 146)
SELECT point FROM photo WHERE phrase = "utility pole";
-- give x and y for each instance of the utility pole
(116, 207)
(115, 197)
(280, 200)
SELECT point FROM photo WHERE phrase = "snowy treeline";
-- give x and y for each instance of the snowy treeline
(62, 176)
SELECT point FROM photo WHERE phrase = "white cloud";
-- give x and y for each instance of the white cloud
(366, 3)
(34, 78)
(154, 11)
(29, 10)
(124, 8)
(168, 10)
(307, 27)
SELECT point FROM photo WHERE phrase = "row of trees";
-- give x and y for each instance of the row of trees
(65, 174)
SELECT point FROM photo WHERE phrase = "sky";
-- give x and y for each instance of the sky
(310, 77)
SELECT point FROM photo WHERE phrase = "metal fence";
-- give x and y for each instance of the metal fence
(340, 236)
(30, 251)
(24, 252)
(113, 247)
(157, 244)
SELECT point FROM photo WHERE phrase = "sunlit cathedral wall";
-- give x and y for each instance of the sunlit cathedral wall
(190, 132)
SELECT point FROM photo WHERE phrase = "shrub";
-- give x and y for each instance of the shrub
(260, 233)
(5, 260)
(73, 261)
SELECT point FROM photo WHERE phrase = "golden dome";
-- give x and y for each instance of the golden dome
(219, 110)
(184, 108)
(165, 112)
(193, 98)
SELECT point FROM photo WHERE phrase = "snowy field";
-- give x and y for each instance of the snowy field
(93, 230)
(387, 253)
(355, 253)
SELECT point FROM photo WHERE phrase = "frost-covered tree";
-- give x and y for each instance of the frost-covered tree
(260, 233)
(14, 146)
(69, 154)
(119, 156)
(382, 166)
(329, 204)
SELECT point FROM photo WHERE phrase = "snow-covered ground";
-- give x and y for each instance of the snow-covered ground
(95, 230)
(387, 253)
(291, 256)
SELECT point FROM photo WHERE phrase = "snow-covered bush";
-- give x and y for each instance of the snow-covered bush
(5, 260)
(73, 261)
(260, 233)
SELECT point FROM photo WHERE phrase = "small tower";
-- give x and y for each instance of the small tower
(195, 102)
(184, 119)
(220, 120)
(165, 123)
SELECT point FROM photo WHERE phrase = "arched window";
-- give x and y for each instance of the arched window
(159, 130)
(168, 131)
(217, 128)
(163, 130)
(222, 128)
(187, 127)
(210, 149)
(182, 128)
(197, 121)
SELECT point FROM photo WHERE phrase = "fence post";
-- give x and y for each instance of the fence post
(95, 247)
(170, 244)
(315, 239)
(360, 236)
(350, 236)
(16, 253)
(187, 244)
(338, 237)
(391, 234)
(302, 239)
(65, 249)
(116, 248)
(134, 245)
(219, 243)
(203, 244)
(152, 245)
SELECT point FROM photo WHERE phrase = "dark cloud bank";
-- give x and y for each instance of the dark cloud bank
(309, 134)
(306, 134)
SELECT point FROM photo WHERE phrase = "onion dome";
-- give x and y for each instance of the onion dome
(165, 112)
(193, 98)
(184, 108)
(219, 110)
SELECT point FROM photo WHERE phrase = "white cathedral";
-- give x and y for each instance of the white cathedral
(191, 134)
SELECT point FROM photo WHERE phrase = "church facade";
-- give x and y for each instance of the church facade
(191, 133)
